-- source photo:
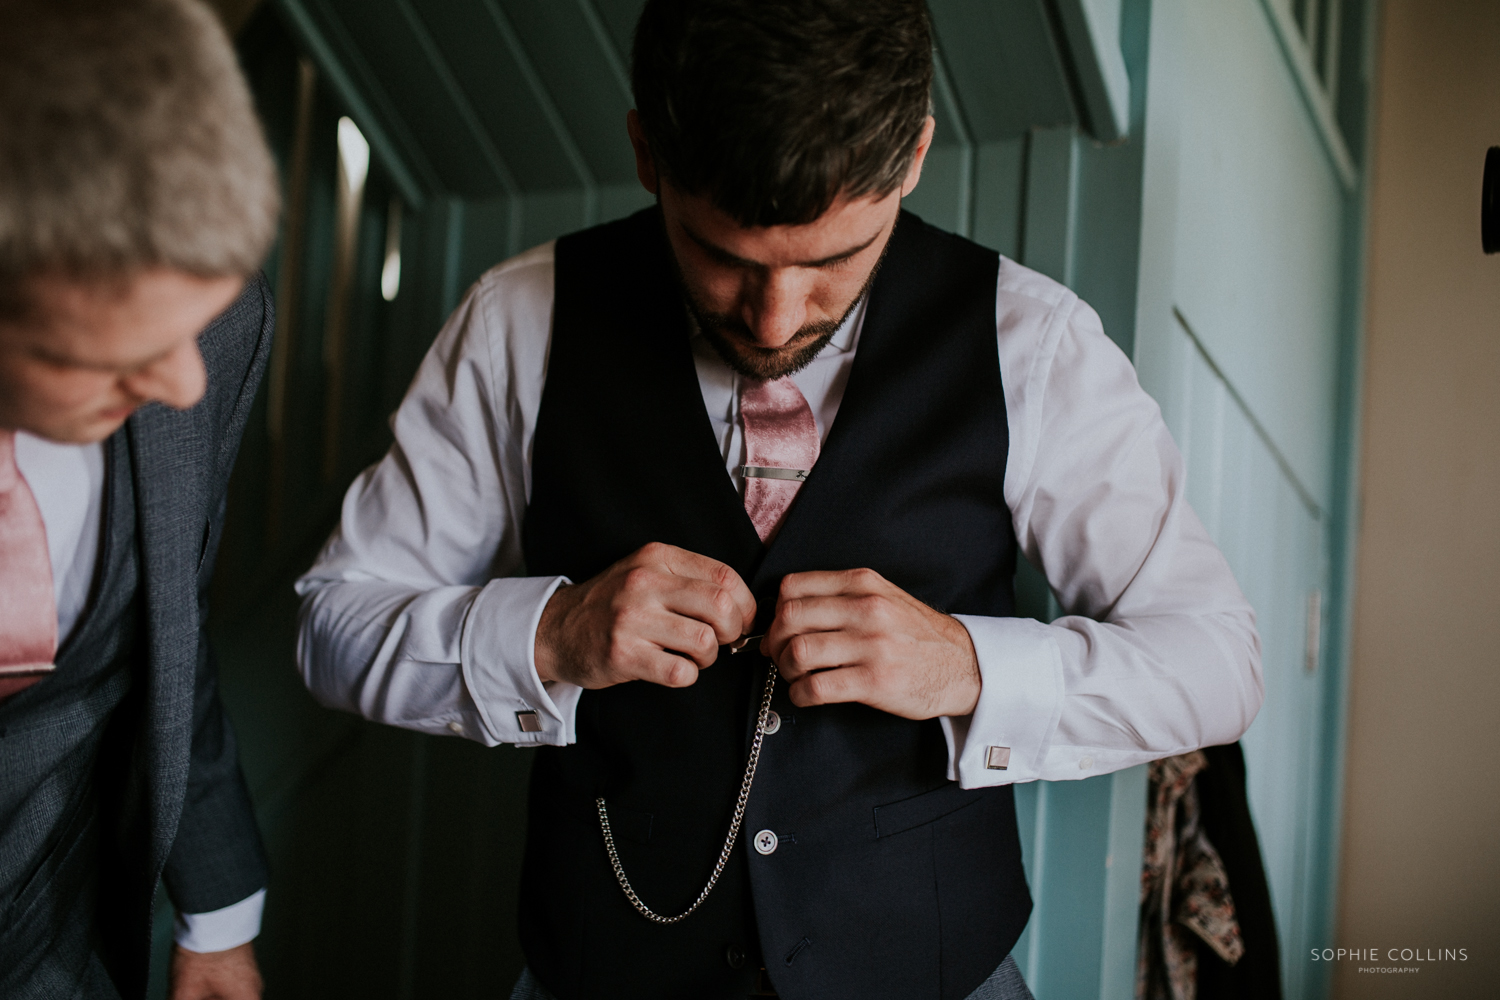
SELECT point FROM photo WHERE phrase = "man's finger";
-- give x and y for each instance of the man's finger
(828, 687)
(720, 607)
(827, 583)
(864, 613)
(693, 566)
(679, 634)
(813, 651)
(814, 614)
(668, 670)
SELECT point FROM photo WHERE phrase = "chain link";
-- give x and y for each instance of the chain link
(734, 824)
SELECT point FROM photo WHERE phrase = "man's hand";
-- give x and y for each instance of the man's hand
(658, 615)
(854, 636)
(215, 975)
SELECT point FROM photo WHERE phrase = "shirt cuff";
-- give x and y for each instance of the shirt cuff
(220, 930)
(498, 656)
(1020, 700)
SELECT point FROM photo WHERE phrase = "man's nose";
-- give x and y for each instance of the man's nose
(777, 309)
(178, 379)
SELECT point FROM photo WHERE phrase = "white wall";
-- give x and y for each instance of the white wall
(1421, 854)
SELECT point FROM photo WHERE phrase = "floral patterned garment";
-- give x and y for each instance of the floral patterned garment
(1184, 888)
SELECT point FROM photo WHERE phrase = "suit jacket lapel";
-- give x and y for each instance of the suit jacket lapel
(168, 449)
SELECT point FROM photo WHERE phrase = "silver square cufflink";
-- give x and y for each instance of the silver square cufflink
(998, 759)
(529, 720)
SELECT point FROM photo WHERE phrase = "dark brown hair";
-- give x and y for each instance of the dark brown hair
(127, 140)
(773, 108)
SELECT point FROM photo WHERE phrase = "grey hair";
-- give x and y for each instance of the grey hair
(128, 140)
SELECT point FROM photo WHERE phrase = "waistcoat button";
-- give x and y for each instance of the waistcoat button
(735, 957)
(765, 842)
(773, 723)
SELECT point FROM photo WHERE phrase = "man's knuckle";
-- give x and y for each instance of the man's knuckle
(680, 673)
(820, 686)
(723, 603)
(638, 580)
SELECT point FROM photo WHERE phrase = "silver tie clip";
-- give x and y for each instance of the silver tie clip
(767, 472)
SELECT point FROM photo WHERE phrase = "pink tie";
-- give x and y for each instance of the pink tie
(781, 446)
(28, 610)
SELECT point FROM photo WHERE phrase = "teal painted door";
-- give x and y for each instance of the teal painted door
(1241, 335)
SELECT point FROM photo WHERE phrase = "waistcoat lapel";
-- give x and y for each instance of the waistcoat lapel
(621, 348)
(879, 478)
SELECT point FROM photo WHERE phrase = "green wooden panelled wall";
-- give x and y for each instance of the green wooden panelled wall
(495, 125)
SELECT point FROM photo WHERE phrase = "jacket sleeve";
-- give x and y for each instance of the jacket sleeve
(217, 858)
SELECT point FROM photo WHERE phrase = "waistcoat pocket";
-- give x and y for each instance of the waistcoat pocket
(919, 810)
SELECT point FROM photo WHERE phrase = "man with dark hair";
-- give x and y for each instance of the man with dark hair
(137, 196)
(720, 506)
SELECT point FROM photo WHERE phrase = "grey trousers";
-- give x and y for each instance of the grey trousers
(1005, 983)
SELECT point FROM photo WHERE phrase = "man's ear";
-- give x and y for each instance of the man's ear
(645, 164)
(913, 172)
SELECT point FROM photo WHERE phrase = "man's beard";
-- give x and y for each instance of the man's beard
(770, 363)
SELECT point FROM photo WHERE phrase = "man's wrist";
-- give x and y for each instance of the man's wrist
(966, 683)
(1021, 698)
(497, 654)
(548, 633)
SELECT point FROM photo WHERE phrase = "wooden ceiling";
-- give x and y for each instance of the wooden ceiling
(485, 99)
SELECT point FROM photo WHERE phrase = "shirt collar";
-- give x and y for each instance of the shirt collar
(848, 334)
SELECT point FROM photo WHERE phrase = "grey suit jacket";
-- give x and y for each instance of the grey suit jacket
(203, 838)
(172, 803)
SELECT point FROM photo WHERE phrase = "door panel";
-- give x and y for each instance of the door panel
(1259, 222)
(1262, 520)
(1239, 326)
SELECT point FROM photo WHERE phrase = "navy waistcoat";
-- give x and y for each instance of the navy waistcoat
(888, 880)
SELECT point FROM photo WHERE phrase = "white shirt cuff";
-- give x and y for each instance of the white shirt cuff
(498, 655)
(1020, 701)
(220, 930)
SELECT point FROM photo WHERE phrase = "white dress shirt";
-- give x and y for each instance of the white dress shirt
(68, 483)
(418, 613)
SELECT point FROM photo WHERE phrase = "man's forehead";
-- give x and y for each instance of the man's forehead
(115, 322)
(849, 226)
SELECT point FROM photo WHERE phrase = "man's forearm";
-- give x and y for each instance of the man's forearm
(449, 660)
(1079, 697)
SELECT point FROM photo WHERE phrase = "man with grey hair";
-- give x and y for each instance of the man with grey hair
(137, 197)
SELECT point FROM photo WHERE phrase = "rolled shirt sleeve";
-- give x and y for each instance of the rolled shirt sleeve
(1157, 651)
